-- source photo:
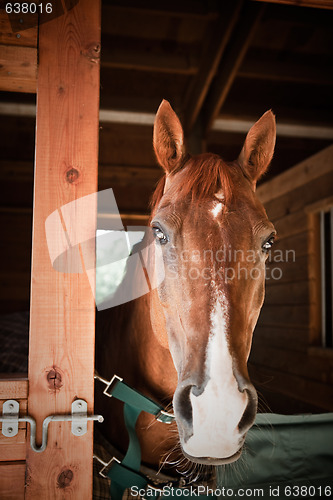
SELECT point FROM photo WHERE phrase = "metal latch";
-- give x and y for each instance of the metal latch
(79, 418)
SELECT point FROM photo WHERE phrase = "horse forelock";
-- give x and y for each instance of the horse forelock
(200, 177)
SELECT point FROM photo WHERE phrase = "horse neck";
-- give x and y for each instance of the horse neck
(134, 351)
(126, 345)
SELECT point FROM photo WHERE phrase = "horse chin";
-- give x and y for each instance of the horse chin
(214, 461)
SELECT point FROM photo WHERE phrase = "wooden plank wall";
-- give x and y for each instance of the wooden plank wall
(18, 54)
(286, 358)
(13, 450)
(61, 350)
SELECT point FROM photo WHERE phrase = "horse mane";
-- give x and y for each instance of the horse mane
(202, 176)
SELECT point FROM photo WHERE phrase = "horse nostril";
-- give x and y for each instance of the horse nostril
(183, 403)
(250, 411)
(197, 390)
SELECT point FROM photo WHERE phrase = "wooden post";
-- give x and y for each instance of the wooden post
(61, 358)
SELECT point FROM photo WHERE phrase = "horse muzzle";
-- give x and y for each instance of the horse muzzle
(213, 420)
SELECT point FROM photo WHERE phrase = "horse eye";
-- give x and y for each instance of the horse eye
(268, 243)
(159, 235)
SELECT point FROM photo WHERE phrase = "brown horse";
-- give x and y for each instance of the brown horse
(186, 343)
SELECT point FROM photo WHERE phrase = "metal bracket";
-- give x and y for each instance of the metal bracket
(10, 419)
(109, 383)
(79, 417)
(106, 465)
(10, 412)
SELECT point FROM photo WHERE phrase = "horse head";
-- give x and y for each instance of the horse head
(214, 237)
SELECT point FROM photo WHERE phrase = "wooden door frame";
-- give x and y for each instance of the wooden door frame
(62, 306)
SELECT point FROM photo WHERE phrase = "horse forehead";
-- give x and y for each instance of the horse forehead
(244, 210)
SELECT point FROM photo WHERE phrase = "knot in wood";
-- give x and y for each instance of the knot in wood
(72, 175)
(92, 52)
(54, 379)
(65, 478)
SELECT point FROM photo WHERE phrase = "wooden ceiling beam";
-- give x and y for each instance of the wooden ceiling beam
(25, 38)
(318, 4)
(149, 57)
(223, 123)
(210, 60)
(263, 65)
(230, 63)
(304, 130)
(18, 56)
(173, 8)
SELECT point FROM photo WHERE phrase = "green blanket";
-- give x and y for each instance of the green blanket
(284, 457)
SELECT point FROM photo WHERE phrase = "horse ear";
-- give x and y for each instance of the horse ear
(168, 137)
(258, 148)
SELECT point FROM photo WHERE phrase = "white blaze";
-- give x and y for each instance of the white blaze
(218, 410)
(217, 210)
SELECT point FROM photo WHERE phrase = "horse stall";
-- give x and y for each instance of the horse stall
(80, 84)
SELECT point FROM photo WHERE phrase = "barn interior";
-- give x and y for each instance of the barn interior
(221, 65)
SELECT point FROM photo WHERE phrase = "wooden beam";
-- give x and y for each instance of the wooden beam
(230, 63)
(13, 386)
(13, 449)
(62, 311)
(305, 130)
(318, 206)
(18, 56)
(18, 68)
(185, 9)
(24, 38)
(151, 56)
(223, 123)
(318, 4)
(221, 33)
(267, 65)
(12, 480)
(250, 96)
